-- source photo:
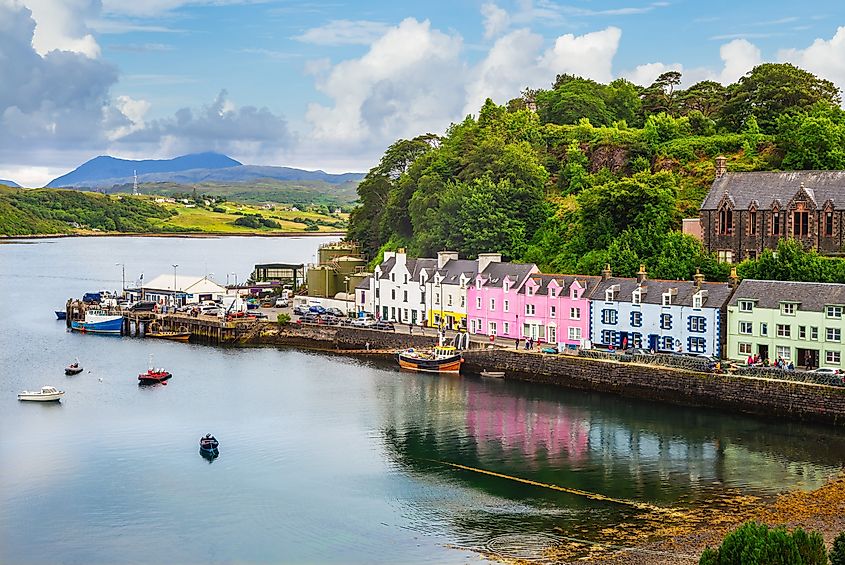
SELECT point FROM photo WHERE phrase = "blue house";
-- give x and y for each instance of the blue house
(677, 316)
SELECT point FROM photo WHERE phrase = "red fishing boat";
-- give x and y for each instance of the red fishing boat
(153, 375)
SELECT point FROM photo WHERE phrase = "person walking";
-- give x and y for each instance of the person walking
(517, 344)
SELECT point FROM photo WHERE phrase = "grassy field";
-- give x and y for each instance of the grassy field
(205, 220)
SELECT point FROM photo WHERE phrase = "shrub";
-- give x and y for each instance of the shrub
(283, 319)
(219, 210)
(757, 544)
(837, 551)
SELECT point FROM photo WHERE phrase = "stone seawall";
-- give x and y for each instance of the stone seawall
(342, 338)
(765, 397)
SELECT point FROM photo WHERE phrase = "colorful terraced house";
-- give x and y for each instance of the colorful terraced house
(799, 322)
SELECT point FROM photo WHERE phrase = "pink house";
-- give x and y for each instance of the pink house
(493, 301)
(548, 308)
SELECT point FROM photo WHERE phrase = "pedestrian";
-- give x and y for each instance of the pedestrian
(517, 344)
(410, 329)
(368, 346)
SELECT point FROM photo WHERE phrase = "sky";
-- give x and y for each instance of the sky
(329, 85)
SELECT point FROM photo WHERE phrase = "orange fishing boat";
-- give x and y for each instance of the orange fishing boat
(442, 359)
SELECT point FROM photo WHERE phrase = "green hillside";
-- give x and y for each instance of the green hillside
(585, 173)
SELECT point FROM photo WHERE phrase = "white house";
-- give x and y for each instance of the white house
(395, 292)
(186, 289)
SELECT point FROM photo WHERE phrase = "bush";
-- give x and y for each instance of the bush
(219, 210)
(837, 551)
(757, 544)
(283, 319)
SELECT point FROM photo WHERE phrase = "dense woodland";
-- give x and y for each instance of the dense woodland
(584, 174)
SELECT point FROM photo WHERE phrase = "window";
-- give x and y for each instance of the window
(405, 279)
(422, 296)
(506, 305)
(814, 333)
(506, 286)
(463, 301)
(725, 256)
(552, 311)
(775, 223)
(506, 326)
(637, 296)
(800, 224)
(667, 298)
(833, 334)
(392, 277)
(636, 319)
(574, 333)
(697, 344)
(698, 324)
(552, 334)
(784, 352)
(529, 290)
(828, 224)
(393, 312)
(698, 300)
(609, 295)
(377, 292)
(667, 343)
(784, 330)
(384, 312)
(404, 296)
(666, 321)
(764, 328)
(478, 303)
(832, 357)
(492, 304)
(474, 326)
(492, 328)
(746, 306)
(787, 309)
(752, 222)
(726, 221)
(745, 328)
(552, 293)
(393, 294)
(449, 299)
(802, 332)
(608, 316)
(834, 311)
(636, 339)
(529, 309)
(745, 349)
(406, 314)
(437, 299)
(574, 313)
(608, 336)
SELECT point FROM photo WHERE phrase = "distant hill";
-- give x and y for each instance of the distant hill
(13, 184)
(102, 170)
(106, 172)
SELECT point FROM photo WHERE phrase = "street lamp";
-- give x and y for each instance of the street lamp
(346, 280)
(122, 279)
(174, 286)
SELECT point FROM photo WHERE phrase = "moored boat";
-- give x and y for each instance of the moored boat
(442, 359)
(98, 321)
(46, 394)
(209, 446)
(182, 335)
(493, 374)
(153, 375)
(74, 368)
(61, 315)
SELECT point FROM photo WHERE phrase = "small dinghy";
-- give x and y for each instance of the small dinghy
(493, 374)
(209, 446)
(74, 368)
(46, 394)
(153, 375)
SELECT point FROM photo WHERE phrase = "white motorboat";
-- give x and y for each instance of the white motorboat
(46, 394)
(493, 374)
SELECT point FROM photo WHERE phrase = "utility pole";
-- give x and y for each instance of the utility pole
(122, 279)
(174, 286)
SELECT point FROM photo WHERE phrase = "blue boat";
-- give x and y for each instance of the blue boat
(61, 314)
(100, 322)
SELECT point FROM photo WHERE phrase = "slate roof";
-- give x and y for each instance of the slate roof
(364, 284)
(564, 281)
(810, 296)
(717, 293)
(451, 271)
(495, 273)
(766, 187)
(386, 267)
(419, 264)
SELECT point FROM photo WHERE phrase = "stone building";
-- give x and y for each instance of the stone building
(745, 213)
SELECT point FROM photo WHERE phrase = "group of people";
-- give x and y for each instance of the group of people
(780, 363)
(529, 343)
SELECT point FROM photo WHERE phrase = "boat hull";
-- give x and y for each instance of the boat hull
(41, 397)
(61, 315)
(108, 325)
(73, 370)
(493, 374)
(443, 365)
(172, 336)
(151, 380)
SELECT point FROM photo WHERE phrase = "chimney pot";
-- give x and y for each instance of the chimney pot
(641, 274)
(721, 166)
(606, 273)
(698, 278)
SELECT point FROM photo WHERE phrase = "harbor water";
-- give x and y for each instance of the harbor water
(323, 459)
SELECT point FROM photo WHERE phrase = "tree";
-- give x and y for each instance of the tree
(707, 97)
(813, 139)
(773, 89)
(660, 96)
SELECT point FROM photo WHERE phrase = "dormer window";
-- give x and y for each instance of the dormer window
(610, 293)
(552, 293)
(698, 299)
(787, 308)
(506, 286)
(392, 277)
(529, 290)
(746, 306)
(667, 298)
(637, 296)
(478, 284)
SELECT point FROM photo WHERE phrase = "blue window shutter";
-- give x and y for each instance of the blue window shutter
(689, 324)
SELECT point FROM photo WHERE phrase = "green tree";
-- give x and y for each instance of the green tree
(813, 139)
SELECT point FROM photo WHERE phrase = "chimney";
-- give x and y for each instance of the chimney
(484, 259)
(400, 256)
(641, 274)
(698, 278)
(721, 167)
(444, 256)
(606, 273)
(733, 280)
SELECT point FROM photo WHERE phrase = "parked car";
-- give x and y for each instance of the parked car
(317, 309)
(281, 303)
(330, 320)
(363, 322)
(383, 326)
(825, 371)
(143, 306)
(209, 310)
(335, 312)
(309, 318)
(258, 315)
(300, 310)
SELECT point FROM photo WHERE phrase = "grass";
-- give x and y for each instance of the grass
(205, 220)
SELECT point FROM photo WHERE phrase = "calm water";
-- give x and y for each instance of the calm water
(323, 459)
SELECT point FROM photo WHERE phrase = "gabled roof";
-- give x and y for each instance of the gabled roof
(364, 284)
(717, 293)
(495, 273)
(386, 267)
(563, 281)
(454, 268)
(811, 296)
(766, 187)
(184, 283)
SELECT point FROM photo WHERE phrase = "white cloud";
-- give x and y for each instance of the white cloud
(739, 56)
(644, 75)
(61, 25)
(496, 20)
(589, 55)
(344, 32)
(825, 58)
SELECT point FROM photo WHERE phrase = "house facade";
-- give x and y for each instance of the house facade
(181, 289)
(799, 322)
(670, 316)
(494, 299)
(394, 292)
(745, 213)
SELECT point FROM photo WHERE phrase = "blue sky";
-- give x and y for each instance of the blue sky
(330, 84)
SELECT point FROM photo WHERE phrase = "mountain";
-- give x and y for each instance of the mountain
(105, 172)
(10, 183)
(97, 171)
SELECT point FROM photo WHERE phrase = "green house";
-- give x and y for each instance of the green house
(799, 322)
